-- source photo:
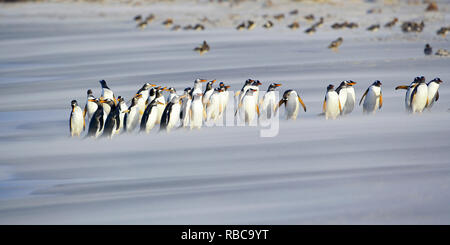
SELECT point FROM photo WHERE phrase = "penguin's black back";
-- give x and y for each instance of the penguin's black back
(112, 121)
(147, 112)
(166, 116)
(96, 122)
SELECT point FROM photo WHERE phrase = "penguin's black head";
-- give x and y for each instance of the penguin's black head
(120, 99)
(422, 79)
(343, 84)
(256, 83)
(249, 81)
(437, 80)
(221, 84)
(330, 87)
(209, 84)
(350, 83)
(188, 89)
(286, 94)
(427, 45)
(89, 92)
(103, 83)
(74, 103)
(172, 90)
(377, 83)
(273, 86)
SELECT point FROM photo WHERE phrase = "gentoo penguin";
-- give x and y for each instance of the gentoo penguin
(150, 116)
(373, 98)
(248, 83)
(108, 106)
(310, 30)
(374, 27)
(76, 122)
(197, 89)
(97, 122)
(409, 90)
(342, 92)
(168, 22)
(295, 25)
(255, 85)
(107, 93)
(171, 114)
(428, 49)
(268, 24)
(331, 105)
(419, 97)
(213, 104)
(351, 98)
(391, 23)
(292, 102)
(186, 107)
(433, 93)
(172, 93)
(112, 123)
(197, 111)
(268, 102)
(145, 92)
(123, 109)
(160, 105)
(224, 97)
(208, 92)
(241, 26)
(90, 106)
(250, 25)
(132, 117)
(152, 95)
(202, 48)
(250, 104)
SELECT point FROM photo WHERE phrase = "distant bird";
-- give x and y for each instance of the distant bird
(443, 31)
(433, 93)
(199, 27)
(410, 26)
(442, 52)
(142, 25)
(432, 7)
(310, 30)
(138, 18)
(176, 28)
(76, 121)
(335, 44)
(294, 12)
(292, 101)
(331, 104)
(268, 103)
(294, 25)
(250, 25)
(188, 27)
(374, 27)
(373, 98)
(150, 18)
(278, 17)
(168, 22)
(241, 26)
(428, 49)
(202, 48)
(319, 23)
(268, 24)
(352, 25)
(309, 17)
(339, 25)
(391, 23)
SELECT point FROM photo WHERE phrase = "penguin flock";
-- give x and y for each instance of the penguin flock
(109, 115)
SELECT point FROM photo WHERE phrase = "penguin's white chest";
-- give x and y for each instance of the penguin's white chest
(76, 121)
(332, 105)
(197, 113)
(249, 104)
(91, 108)
(432, 91)
(343, 96)
(174, 116)
(292, 106)
(350, 101)
(419, 99)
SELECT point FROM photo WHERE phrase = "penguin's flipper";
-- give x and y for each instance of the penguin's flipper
(237, 93)
(401, 87)
(280, 103)
(84, 111)
(413, 94)
(70, 123)
(125, 122)
(381, 100)
(239, 107)
(324, 104)
(84, 124)
(364, 95)
(101, 124)
(257, 109)
(437, 96)
(301, 102)
(204, 114)
(340, 107)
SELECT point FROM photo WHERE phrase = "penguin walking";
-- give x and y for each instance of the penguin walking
(90, 106)
(197, 89)
(212, 107)
(172, 93)
(224, 97)
(419, 97)
(351, 98)
(143, 94)
(197, 111)
(150, 116)
(268, 102)
(123, 110)
(76, 121)
(186, 108)
(250, 105)
(239, 95)
(342, 92)
(171, 115)
(292, 102)
(409, 90)
(107, 93)
(428, 50)
(373, 98)
(331, 105)
(112, 123)
(161, 105)
(208, 92)
(433, 93)
(97, 122)
(132, 117)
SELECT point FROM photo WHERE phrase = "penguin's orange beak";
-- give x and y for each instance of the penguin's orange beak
(203, 80)
(278, 84)
(91, 100)
(213, 81)
(228, 86)
(352, 83)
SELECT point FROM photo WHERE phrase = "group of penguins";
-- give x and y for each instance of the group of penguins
(108, 116)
